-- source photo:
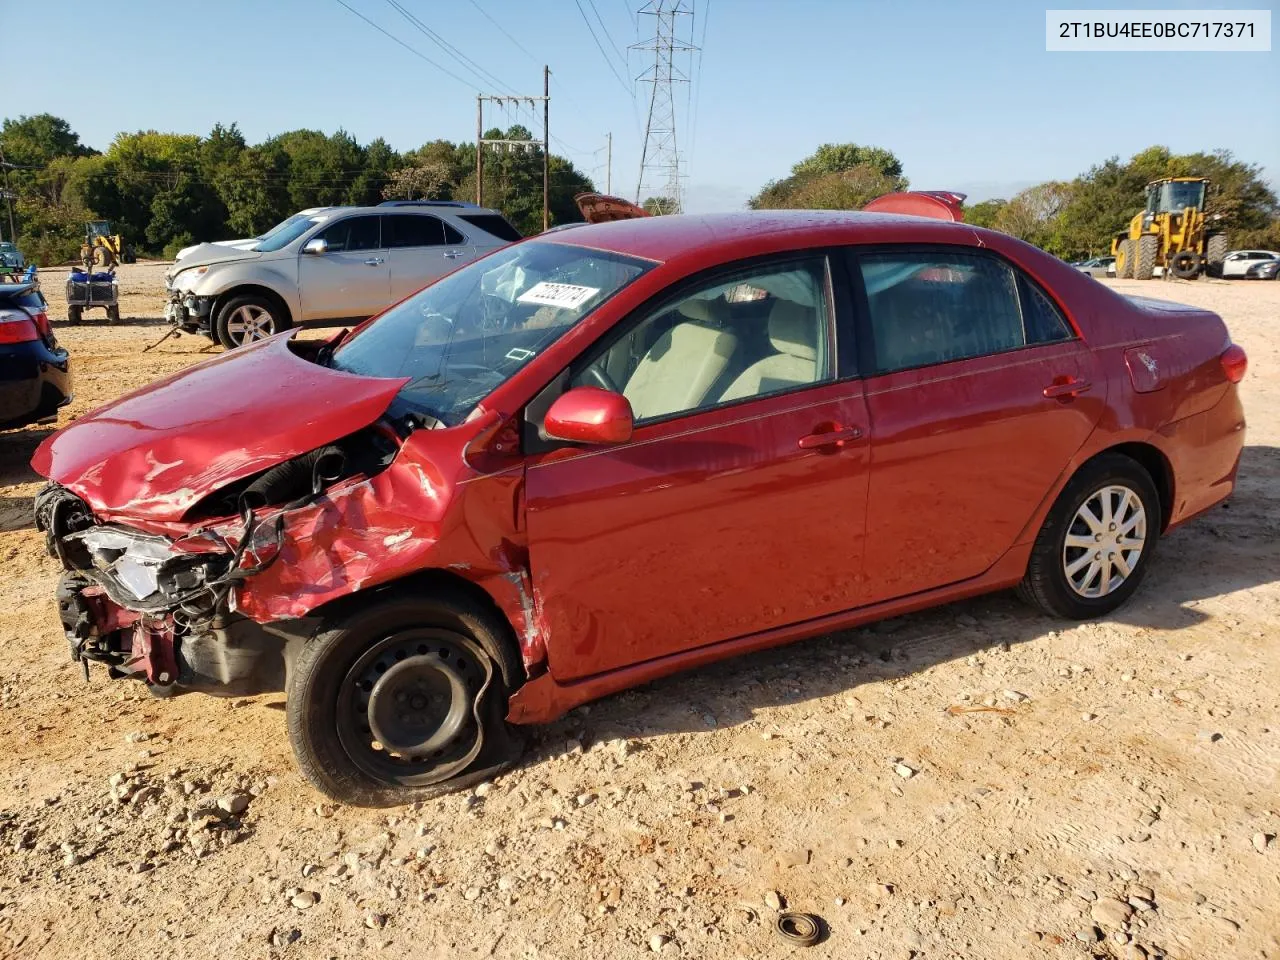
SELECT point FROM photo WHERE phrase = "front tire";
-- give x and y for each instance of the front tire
(1144, 263)
(403, 699)
(1097, 541)
(248, 318)
(1124, 260)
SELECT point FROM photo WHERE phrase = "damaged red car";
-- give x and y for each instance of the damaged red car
(610, 453)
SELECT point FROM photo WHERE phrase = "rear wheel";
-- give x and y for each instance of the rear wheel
(1124, 260)
(75, 314)
(1096, 542)
(248, 318)
(1144, 261)
(403, 699)
(113, 313)
(1215, 253)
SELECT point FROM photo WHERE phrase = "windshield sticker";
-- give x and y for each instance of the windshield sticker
(567, 296)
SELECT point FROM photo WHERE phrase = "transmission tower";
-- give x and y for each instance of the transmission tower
(660, 157)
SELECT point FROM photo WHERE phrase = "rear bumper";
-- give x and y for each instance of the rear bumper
(1204, 451)
(35, 382)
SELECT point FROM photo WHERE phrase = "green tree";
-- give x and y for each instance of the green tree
(38, 139)
(836, 176)
(984, 214)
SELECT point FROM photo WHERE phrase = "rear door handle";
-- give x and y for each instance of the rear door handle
(831, 438)
(374, 261)
(452, 254)
(1067, 388)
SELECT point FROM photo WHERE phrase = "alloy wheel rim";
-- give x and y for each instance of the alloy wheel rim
(1104, 541)
(248, 323)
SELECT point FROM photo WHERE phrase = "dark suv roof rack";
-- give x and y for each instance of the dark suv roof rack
(428, 203)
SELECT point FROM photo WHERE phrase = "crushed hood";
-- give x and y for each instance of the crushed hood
(155, 453)
(210, 253)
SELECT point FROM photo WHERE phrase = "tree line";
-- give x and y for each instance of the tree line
(163, 191)
(1072, 219)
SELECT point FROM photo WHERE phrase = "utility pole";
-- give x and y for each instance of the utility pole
(659, 157)
(5, 165)
(546, 147)
(608, 163)
(544, 143)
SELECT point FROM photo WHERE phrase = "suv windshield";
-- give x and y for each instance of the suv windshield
(287, 231)
(465, 335)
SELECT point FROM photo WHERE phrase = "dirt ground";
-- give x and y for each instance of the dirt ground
(1106, 789)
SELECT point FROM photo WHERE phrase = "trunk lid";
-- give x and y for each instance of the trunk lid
(155, 453)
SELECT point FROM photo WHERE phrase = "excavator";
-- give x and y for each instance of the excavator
(1172, 233)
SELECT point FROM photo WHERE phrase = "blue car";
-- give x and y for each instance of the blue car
(35, 373)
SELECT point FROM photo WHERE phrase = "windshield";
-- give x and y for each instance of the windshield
(287, 231)
(1175, 196)
(465, 335)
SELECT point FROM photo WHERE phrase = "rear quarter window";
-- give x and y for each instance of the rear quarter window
(492, 224)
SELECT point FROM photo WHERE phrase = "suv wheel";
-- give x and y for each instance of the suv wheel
(248, 318)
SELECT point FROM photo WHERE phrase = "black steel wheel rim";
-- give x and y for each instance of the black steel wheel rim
(407, 706)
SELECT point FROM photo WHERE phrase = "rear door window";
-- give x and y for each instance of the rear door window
(409, 230)
(928, 307)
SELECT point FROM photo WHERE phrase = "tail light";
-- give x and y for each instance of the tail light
(1234, 363)
(16, 326)
(41, 320)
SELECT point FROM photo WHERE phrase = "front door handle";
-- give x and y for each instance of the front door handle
(829, 438)
(374, 261)
(1064, 388)
(452, 254)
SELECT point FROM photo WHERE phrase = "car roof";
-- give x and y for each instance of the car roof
(760, 231)
(434, 210)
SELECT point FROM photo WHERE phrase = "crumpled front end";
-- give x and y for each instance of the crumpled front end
(156, 608)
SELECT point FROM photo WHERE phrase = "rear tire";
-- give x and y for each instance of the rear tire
(1124, 260)
(430, 676)
(1215, 253)
(113, 313)
(75, 314)
(1060, 577)
(248, 318)
(1144, 263)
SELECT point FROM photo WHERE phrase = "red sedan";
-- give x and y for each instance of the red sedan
(622, 450)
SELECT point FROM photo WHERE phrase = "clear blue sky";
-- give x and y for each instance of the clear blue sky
(962, 91)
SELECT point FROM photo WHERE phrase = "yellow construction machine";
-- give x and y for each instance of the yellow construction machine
(1172, 233)
(103, 248)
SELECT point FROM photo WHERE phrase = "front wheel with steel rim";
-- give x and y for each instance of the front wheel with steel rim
(248, 318)
(1097, 540)
(403, 699)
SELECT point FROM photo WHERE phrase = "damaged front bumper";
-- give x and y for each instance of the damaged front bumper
(188, 312)
(161, 610)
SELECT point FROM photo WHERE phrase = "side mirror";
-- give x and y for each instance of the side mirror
(590, 415)
(317, 246)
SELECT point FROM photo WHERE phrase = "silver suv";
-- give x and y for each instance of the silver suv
(339, 263)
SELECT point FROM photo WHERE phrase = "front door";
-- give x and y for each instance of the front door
(350, 279)
(738, 504)
(980, 397)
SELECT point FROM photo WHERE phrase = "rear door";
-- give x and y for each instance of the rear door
(350, 279)
(980, 395)
(421, 248)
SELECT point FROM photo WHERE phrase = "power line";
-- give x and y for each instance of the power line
(697, 83)
(417, 53)
(609, 63)
(503, 31)
(484, 75)
(621, 56)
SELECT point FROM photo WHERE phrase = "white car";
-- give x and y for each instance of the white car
(341, 264)
(1237, 262)
(1098, 267)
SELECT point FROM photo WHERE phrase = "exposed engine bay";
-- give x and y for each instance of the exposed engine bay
(163, 608)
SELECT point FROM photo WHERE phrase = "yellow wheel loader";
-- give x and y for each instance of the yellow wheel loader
(102, 248)
(1172, 233)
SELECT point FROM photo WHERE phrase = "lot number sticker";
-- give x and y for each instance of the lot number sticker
(567, 296)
